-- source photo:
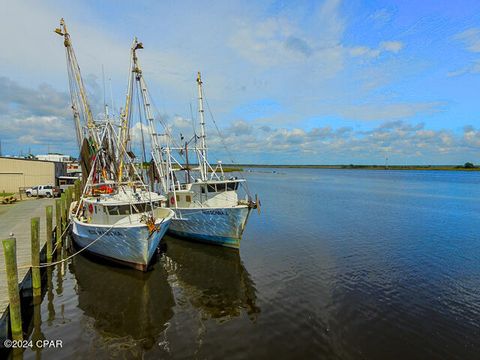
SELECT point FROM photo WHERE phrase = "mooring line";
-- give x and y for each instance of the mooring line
(43, 265)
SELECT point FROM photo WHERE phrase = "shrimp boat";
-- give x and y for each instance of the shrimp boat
(207, 207)
(207, 204)
(122, 222)
(117, 217)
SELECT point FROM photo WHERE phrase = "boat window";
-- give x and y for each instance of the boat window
(211, 188)
(124, 209)
(138, 208)
(232, 186)
(113, 210)
(188, 198)
(177, 197)
(203, 189)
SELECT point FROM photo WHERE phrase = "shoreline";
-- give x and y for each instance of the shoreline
(361, 167)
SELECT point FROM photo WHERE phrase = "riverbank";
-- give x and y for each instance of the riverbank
(363, 167)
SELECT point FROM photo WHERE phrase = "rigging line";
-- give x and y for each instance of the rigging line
(159, 118)
(111, 96)
(104, 93)
(218, 130)
(247, 190)
(144, 158)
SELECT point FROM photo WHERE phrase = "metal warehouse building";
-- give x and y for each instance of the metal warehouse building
(17, 172)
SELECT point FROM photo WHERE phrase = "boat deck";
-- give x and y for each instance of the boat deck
(15, 218)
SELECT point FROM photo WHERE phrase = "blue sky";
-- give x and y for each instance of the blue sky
(312, 82)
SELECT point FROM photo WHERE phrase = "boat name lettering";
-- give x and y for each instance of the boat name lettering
(101, 232)
(215, 212)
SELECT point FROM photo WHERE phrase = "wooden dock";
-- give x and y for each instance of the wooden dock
(15, 218)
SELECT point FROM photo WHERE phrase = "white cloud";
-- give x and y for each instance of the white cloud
(470, 38)
(381, 16)
(472, 68)
(399, 139)
(392, 46)
(384, 46)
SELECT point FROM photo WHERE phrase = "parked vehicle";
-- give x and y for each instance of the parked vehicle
(43, 190)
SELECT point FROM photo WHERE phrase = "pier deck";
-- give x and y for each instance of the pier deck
(15, 218)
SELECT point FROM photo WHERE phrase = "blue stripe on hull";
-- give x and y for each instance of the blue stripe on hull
(210, 239)
(219, 226)
(133, 245)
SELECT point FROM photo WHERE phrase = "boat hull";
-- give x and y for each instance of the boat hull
(133, 246)
(217, 226)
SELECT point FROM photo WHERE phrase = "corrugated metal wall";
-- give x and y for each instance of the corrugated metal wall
(15, 173)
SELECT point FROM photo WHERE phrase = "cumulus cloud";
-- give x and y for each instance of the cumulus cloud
(38, 117)
(21, 100)
(396, 138)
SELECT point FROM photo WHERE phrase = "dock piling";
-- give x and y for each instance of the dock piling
(49, 212)
(58, 218)
(63, 201)
(10, 252)
(35, 235)
(69, 200)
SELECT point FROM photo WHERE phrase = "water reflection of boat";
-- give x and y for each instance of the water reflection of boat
(132, 307)
(213, 279)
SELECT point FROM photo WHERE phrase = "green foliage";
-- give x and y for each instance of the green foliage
(468, 165)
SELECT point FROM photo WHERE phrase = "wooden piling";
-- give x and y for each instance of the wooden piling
(10, 253)
(58, 218)
(69, 200)
(35, 234)
(78, 189)
(63, 200)
(75, 186)
(49, 212)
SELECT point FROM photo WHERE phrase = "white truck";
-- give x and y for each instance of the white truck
(43, 190)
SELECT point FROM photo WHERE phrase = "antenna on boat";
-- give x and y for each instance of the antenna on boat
(111, 95)
(105, 105)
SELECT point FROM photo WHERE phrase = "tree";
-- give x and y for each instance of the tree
(468, 165)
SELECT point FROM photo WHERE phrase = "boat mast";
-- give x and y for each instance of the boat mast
(80, 106)
(161, 166)
(123, 137)
(203, 145)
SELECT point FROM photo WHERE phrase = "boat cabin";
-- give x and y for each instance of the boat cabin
(212, 193)
(109, 209)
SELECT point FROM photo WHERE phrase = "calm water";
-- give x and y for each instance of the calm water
(339, 265)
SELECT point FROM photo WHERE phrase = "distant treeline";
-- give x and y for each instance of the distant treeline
(465, 167)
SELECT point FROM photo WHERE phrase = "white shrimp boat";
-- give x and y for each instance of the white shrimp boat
(209, 211)
(125, 227)
(117, 217)
(208, 208)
